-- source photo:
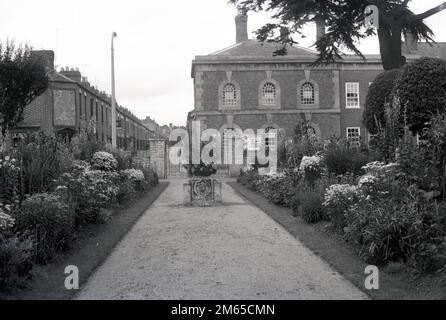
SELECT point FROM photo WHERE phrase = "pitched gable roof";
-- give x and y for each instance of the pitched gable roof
(256, 49)
(58, 77)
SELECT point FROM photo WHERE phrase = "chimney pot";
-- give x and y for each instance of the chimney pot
(72, 74)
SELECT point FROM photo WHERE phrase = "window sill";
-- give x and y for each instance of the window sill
(353, 108)
(264, 107)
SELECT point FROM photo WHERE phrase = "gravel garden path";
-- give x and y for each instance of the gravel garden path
(233, 251)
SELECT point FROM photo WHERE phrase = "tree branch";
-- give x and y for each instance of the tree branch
(428, 13)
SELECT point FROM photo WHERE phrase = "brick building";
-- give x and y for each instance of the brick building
(71, 103)
(247, 86)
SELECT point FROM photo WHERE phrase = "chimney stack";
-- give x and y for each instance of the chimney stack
(320, 28)
(411, 42)
(285, 33)
(73, 74)
(241, 24)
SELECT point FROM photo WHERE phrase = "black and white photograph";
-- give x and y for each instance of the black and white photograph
(223, 157)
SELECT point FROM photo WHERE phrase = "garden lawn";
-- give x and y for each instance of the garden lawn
(343, 257)
(93, 245)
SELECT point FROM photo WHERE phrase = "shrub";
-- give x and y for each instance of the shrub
(43, 159)
(126, 191)
(6, 221)
(150, 176)
(390, 231)
(15, 259)
(9, 181)
(435, 137)
(379, 94)
(311, 209)
(136, 177)
(338, 200)
(276, 186)
(252, 179)
(123, 158)
(88, 192)
(421, 90)
(104, 161)
(311, 167)
(86, 144)
(49, 221)
(342, 159)
(420, 166)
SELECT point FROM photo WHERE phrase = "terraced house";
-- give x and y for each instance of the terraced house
(71, 103)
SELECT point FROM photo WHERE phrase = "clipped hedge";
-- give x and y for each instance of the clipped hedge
(380, 93)
(421, 89)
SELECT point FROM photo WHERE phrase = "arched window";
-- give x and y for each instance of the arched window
(307, 96)
(229, 95)
(269, 94)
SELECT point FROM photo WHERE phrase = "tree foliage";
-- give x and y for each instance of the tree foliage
(421, 91)
(23, 77)
(345, 22)
(379, 94)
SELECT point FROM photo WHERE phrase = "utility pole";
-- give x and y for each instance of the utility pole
(113, 98)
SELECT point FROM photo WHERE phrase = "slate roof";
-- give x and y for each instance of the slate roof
(58, 77)
(256, 49)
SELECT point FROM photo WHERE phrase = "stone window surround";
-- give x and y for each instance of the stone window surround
(358, 106)
(316, 95)
(238, 104)
(307, 87)
(278, 94)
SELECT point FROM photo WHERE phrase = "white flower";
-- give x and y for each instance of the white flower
(339, 192)
(104, 161)
(310, 163)
(367, 180)
(7, 158)
(6, 221)
(379, 168)
(134, 174)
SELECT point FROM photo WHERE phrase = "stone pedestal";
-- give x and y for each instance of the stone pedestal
(204, 192)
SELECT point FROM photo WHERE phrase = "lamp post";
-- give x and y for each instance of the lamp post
(113, 99)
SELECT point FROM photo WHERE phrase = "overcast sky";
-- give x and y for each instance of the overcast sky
(156, 43)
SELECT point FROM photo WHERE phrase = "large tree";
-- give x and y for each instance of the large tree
(23, 77)
(345, 22)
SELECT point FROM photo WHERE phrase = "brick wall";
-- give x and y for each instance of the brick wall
(330, 116)
(353, 117)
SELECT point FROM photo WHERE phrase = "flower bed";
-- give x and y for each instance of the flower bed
(39, 219)
(379, 208)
